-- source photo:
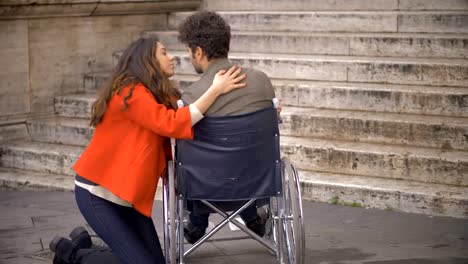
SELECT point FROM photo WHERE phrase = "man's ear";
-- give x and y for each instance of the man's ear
(199, 53)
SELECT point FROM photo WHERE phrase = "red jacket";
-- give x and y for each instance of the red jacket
(126, 154)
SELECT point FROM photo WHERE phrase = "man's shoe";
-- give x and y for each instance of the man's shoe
(80, 236)
(257, 226)
(64, 249)
(192, 233)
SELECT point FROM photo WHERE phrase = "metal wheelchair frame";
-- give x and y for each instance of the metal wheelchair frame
(284, 236)
(285, 227)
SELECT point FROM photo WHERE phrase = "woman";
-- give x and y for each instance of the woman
(118, 172)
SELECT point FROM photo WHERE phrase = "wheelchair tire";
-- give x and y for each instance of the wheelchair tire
(170, 215)
(166, 226)
(293, 224)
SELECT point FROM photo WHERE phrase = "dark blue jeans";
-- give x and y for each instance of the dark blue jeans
(131, 236)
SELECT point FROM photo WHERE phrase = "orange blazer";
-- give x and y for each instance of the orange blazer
(127, 152)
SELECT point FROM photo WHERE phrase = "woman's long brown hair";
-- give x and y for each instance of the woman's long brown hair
(137, 64)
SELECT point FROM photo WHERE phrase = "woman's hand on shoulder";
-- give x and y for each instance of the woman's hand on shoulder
(228, 80)
(224, 82)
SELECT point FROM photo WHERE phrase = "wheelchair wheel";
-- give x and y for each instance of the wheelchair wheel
(293, 224)
(170, 216)
(270, 225)
(286, 233)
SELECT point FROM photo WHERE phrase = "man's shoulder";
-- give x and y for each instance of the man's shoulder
(257, 77)
(200, 85)
(255, 72)
(193, 91)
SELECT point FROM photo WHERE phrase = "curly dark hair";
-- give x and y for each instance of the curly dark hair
(206, 30)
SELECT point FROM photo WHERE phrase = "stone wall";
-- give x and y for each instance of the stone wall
(47, 46)
(14, 67)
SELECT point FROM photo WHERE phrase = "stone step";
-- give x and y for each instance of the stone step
(13, 131)
(23, 179)
(401, 162)
(351, 190)
(355, 44)
(414, 71)
(394, 129)
(92, 82)
(337, 21)
(385, 161)
(61, 130)
(39, 157)
(74, 105)
(338, 5)
(428, 100)
(432, 5)
(389, 194)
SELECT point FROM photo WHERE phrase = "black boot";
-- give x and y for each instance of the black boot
(257, 226)
(80, 236)
(192, 233)
(64, 249)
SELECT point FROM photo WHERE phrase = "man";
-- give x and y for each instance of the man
(207, 37)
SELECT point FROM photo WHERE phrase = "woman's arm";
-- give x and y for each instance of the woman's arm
(145, 111)
(224, 82)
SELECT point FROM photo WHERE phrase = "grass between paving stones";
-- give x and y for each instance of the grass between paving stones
(335, 200)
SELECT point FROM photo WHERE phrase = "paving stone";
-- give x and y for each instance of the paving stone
(11, 222)
(334, 234)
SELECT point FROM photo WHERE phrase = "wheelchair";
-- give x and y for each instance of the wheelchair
(235, 158)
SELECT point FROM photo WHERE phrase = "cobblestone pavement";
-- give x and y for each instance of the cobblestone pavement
(334, 234)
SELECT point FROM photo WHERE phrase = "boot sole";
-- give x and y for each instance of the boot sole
(77, 231)
(54, 243)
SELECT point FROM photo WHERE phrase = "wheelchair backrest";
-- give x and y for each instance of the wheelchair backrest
(231, 158)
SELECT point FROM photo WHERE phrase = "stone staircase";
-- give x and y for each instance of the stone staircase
(375, 96)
